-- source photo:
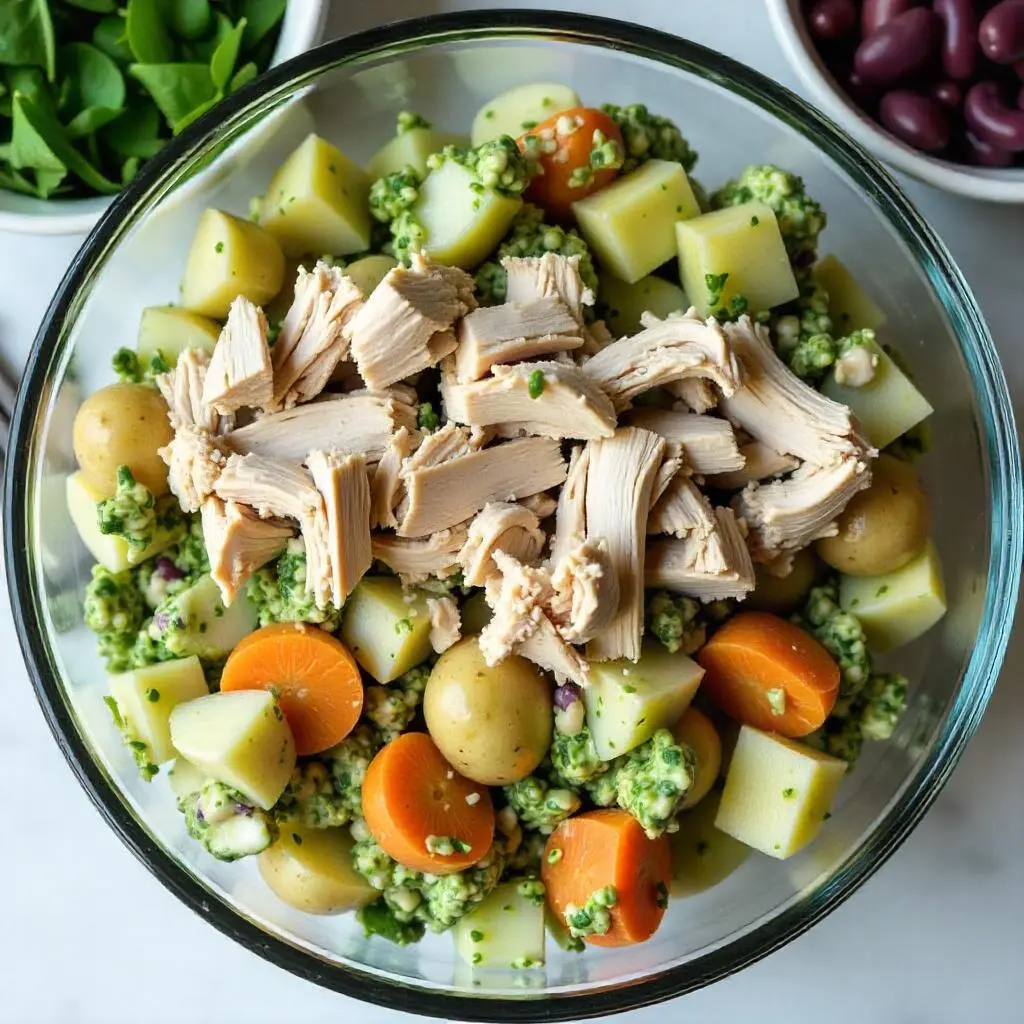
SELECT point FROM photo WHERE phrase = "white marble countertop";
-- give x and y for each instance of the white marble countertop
(936, 937)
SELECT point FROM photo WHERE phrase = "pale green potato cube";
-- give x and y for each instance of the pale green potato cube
(239, 738)
(386, 628)
(185, 778)
(411, 149)
(625, 302)
(370, 271)
(463, 224)
(170, 330)
(209, 629)
(849, 306)
(900, 606)
(520, 109)
(703, 856)
(318, 202)
(628, 702)
(743, 242)
(888, 406)
(777, 792)
(147, 696)
(230, 257)
(505, 929)
(630, 224)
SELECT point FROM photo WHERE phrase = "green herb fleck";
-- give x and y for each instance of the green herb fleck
(536, 384)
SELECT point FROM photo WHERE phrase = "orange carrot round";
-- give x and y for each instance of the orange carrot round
(422, 811)
(317, 680)
(764, 671)
(609, 848)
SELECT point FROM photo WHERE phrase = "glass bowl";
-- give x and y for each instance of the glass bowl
(445, 67)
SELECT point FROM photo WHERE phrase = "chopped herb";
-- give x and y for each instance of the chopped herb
(403, 626)
(554, 855)
(478, 958)
(661, 895)
(882, 590)
(218, 248)
(527, 125)
(536, 383)
(754, 221)
(702, 847)
(152, 695)
(296, 838)
(788, 793)
(476, 936)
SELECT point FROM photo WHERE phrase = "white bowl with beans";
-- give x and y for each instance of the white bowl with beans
(933, 87)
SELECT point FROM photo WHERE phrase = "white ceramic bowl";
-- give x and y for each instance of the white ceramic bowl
(994, 185)
(301, 28)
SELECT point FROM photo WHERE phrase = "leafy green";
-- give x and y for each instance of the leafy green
(222, 63)
(190, 19)
(261, 18)
(110, 35)
(136, 133)
(96, 6)
(26, 35)
(148, 37)
(94, 80)
(177, 89)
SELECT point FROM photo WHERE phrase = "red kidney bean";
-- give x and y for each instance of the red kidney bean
(1001, 32)
(876, 13)
(992, 120)
(949, 94)
(981, 153)
(917, 119)
(960, 43)
(832, 19)
(900, 48)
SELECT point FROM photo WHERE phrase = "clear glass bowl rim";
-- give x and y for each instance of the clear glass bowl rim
(1000, 451)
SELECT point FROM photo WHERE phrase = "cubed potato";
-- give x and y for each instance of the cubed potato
(170, 330)
(888, 406)
(463, 225)
(239, 738)
(743, 242)
(849, 306)
(520, 109)
(628, 702)
(630, 224)
(777, 792)
(702, 856)
(207, 628)
(311, 870)
(370, 271)
(318, 202)
(411, 149)
(386, 629)
(147, 696)
(185, 778)
(505, 929)
(625, 302)
(230, 257)
(900, 606)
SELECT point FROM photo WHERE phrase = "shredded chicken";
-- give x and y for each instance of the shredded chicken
(695, 393)
(673, 462)
(549, 276)
(759, 463)
(596, 337)
(417, 559)
(386, 480)
(517, 596)
(499, 526)
(545, 398)
(620, 479)
(546, 648)
(194, 464)
(445, 623)
(681, 510)
(511, 332)
(406, 325)
(542, 505)
(571, 516)
(342, 482)
(586, 595)
(182, 390)
(238, 543)
(274, 487)
(240, 374)
(708, 443)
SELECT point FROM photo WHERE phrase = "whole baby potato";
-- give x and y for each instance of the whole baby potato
(492, 724)
(123, 425)
(781, 594)
(883, 527)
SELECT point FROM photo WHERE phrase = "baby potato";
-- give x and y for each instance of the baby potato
(123, 425)
(782, 594)
(883, 527)
(492, 724)
(696, 730)
(311, 870)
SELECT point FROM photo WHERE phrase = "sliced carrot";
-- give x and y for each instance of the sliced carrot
(764, 671)
(609, 848)
(317, 679)
(414, 802)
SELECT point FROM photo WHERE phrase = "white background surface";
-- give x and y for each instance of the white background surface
(937, 937)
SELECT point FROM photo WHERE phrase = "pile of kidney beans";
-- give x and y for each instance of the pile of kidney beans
(945, 76)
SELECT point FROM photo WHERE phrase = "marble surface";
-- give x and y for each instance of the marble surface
(936, 937)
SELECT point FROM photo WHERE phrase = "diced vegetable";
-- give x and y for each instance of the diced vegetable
(240, 739)
(900, 606)
(703, 856)
(463, 221)
(732, 255)
(850, 308)
(169, 330)
(370, 271)
(628, 702)
(630, 225)
(782, 594)
(506, 929)
(625, 302)
(386, 628)
(311, 870)
(318, 202)
(766, 672)
(316, 680)
(230, 257)
(198, 623)
(888, 406)
(696, 731)
(411, 149)
(185, 778)
(147, 696)
(777, 793)
(520, 109)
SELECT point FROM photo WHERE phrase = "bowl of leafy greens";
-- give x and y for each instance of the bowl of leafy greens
(92, 89)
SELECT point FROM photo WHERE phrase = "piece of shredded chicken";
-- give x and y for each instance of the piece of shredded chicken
(416, 559)
(274, 487)
(545, 277)
(681, 510)
(386, 479)
(500, 526)
(586, 592)
(549, 651)
(695, 393)
(759, 463)
(517, 596)
(195, 462)
(673, 463)
(240, 374)
(571, 515)
(445, 623)
(542, 505)
(182, 390)
(708, 443)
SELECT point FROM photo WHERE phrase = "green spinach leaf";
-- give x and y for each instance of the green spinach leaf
(111, 36)
(136, 132)
(96, 6)
(94, 80)
(261, 17)
(147, 34)
(177, 89)
(222, 63)
(13, 181)
(243, 76)
(26, 35)
(91, 120)
(190, 19)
